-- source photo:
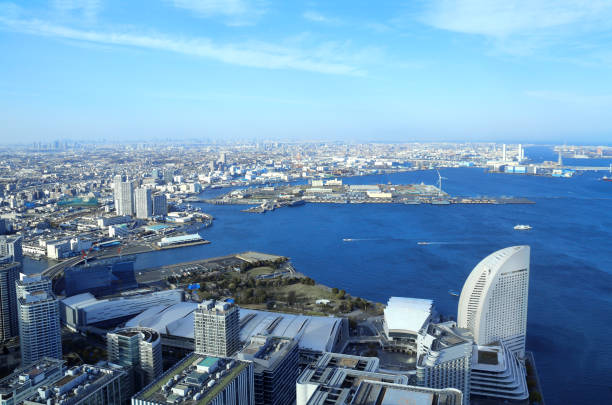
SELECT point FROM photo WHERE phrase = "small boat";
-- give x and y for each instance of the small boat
(606, 178)
(522, 227)
(422, 243)
(347, 240)
(453, 293)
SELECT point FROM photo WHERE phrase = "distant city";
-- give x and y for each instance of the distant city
(80, 323)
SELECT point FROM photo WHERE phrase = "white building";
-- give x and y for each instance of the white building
(493, 302)
(84, 309)
(217, 328)
(39, 321)
(143, 202)
(405, 318)
(444, 358)
(124, 196)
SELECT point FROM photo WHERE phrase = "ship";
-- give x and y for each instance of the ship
(606, 178)
(422, 243)
(522, 227)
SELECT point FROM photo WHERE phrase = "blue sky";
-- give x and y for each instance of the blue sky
(518, 70)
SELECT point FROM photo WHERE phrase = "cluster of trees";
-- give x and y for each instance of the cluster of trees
(244, 266)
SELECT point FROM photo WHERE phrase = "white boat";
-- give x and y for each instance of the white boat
(522, 227)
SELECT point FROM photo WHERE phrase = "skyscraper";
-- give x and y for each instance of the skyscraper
(39, 320)
(139, 350)
(493, 302)
(9, 273)
(143, 202)
(10, 249)
(124, 196)
(160, 205)
(217, 328)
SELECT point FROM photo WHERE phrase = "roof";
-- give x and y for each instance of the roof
(407, 314)
(316, 333)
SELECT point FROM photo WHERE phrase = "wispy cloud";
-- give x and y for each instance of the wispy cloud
(235, 12)
(320, 18)
(569, 98)
(87, 9)
(521, 26)
(251, 53)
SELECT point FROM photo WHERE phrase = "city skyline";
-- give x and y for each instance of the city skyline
(465, 70)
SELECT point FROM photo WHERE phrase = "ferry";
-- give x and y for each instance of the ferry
(522, 227)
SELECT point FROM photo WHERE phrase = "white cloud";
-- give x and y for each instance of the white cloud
(320, 18)
(252, 53)
(522, 26)
(235, 12)
(511, 17)
(88, 9)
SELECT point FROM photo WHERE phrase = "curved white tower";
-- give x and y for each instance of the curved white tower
(493, 302)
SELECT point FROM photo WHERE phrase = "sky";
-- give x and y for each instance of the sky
(354, 70)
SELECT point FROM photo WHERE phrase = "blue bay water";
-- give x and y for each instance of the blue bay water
(570, 298)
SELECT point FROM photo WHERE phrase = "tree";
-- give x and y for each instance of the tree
(341, 294)
(291, 298)
(334, 291)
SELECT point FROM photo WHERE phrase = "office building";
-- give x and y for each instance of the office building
(160, 205)
(143, 203)
(9, 273)
(26, 380)
(444, 358)
(3, 226)
(82, 385)
(124, 196)
(201, 380)
(11, 249)
(39, 320)
(275, 366)
(139, 351)
(217, 328)
(493, 302)
(504, 156)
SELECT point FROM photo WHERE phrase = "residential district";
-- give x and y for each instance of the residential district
(247, 328)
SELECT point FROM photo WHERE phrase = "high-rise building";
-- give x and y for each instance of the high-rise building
(3, 226)
(139, 351)
(217, 328)
(493, 301)
(444, 358)
(202, 380)
(504, 156)
(276, 368)
(10, 249)
(9, 273)
(160, 205)
(39, 320)
(28, 283)
(124, 196)
(144, 203)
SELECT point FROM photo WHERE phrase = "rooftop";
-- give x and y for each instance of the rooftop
(383, 393)
(78, 382)
(407, 314)
(195, 380)
(267, 351)
(29, 375)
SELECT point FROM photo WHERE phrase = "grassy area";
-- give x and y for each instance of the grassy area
(217, 388)
(260, 271)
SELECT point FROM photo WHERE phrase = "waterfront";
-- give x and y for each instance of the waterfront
(571, 274)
